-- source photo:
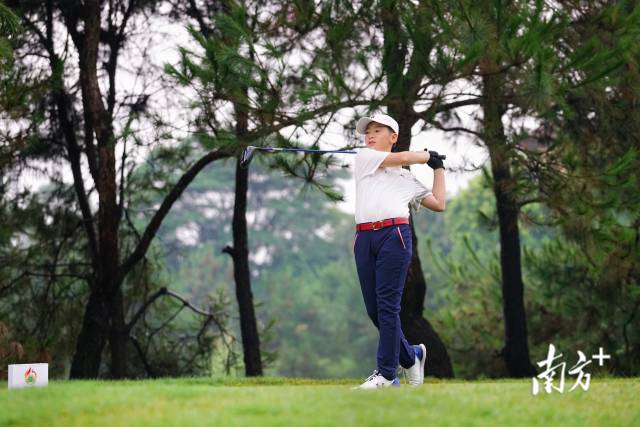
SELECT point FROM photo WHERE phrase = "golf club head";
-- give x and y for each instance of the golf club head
(247, 155)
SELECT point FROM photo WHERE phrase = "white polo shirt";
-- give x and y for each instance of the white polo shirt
(383, 193)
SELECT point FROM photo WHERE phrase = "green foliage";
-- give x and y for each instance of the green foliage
(583, 305)
(589, 179)
(9, 26)
(576, 297)
(308, 287)
(322, 328)
(577, 76)
(9, 22)
(175, 340)
(303, 277)
(266, 70)
(460, 258)
(42, 274)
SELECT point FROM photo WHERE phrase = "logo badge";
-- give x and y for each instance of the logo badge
(30, 376)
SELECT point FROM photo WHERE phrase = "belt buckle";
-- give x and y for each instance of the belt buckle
(373, 225)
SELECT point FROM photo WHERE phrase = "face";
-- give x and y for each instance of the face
(379, 137)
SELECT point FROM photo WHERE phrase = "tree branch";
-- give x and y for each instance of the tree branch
(143, 357)
(160, 292)
(164, 291)
(63, 108)
(456, 129)
(161, 213)
(437, 108)
(195, 12)
(228, 250)
(525, 202)
(193, 171)
(452, 105)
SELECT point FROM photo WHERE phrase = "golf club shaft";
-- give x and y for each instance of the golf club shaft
(248, 152)
(305, 150)
(308, 150)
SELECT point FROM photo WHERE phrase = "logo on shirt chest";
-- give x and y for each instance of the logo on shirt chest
(399, 172)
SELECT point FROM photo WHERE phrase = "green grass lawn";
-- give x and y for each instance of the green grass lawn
(284, 402)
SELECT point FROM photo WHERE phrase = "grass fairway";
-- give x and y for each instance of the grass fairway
(294, 402)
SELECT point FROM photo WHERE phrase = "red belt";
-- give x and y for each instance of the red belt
(377, 225)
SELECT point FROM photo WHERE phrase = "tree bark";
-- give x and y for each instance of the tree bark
(242, 276)
(516, 350)
(240, 255)
(118, 335)
(92, 338)
(107, 281)
(103, 319)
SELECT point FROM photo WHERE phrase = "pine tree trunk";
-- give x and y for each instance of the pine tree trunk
(92, 338)
(108, 232)
(516, 349)
(108, 280)
(119, 337)
(240, 255)
(242, 276)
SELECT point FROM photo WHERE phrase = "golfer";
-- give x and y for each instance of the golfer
(382, 243)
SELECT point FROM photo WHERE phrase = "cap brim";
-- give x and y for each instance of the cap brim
(362, 124)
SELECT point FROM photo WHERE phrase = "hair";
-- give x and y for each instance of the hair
(394, 147)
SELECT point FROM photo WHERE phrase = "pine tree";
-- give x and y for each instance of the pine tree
(247, 79)
(520, 56)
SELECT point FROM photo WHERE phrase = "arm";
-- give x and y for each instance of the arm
(405, 158)
(436, 201)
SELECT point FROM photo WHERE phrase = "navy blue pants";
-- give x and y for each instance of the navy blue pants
(382, 259)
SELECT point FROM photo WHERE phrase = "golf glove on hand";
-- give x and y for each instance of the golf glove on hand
(435, 162)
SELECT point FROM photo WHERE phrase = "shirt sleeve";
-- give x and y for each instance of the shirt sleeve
(419, 193)
(368, 161)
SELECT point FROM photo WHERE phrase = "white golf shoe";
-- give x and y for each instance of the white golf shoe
(376, 380)
(415, 374)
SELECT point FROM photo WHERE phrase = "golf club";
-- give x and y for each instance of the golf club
(247, 153)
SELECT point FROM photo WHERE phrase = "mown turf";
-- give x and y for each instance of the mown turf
(294, 402)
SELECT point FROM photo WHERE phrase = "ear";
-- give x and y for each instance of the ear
(394, 138)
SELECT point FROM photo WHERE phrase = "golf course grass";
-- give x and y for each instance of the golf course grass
(296, 402)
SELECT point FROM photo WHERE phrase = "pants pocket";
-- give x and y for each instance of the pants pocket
(401, 238)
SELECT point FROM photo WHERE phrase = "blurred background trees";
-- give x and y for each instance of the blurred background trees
(120, 249)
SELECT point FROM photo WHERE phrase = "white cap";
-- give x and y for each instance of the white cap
(378, 118)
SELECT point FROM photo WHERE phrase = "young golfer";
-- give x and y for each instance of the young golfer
(382, 243)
